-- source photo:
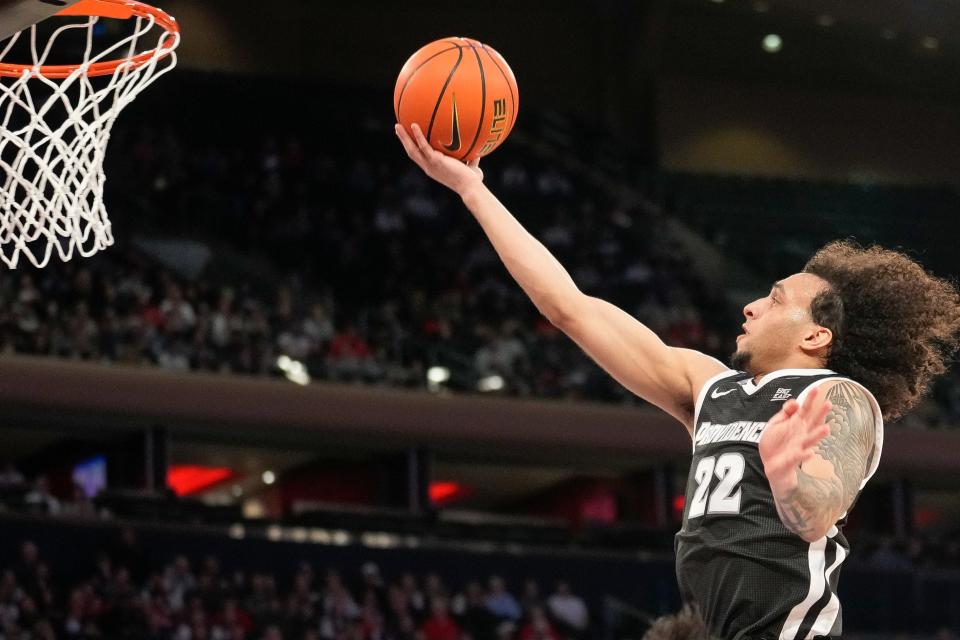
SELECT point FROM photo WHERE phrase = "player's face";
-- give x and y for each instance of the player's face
(776, 324)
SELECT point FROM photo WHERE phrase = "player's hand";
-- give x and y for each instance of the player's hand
(449, 172)
(791, 438)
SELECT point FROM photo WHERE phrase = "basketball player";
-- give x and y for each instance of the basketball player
(785, 440)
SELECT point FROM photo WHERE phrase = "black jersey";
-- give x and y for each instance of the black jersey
(751, 576)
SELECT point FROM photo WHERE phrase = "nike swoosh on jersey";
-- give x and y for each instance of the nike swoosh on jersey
(454, 128)
(717, 393)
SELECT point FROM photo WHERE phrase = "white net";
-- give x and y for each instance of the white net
(55, 123)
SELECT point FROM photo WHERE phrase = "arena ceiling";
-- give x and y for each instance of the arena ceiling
(883, 46)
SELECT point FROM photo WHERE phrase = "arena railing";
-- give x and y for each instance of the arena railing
(77, 395)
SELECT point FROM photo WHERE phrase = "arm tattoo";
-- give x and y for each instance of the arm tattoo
(803, 508)
(849, 447)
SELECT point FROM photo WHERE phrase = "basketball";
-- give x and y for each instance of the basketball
(463, 95)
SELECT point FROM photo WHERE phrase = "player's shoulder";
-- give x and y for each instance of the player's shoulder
(701, 371)
(701, 368)
(827, 380)
(848, 394)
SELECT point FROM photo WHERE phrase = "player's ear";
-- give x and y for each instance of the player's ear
(818, 338)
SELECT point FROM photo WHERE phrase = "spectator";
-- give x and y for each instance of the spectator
(400, 623)
(888, 558)
(372, 585)
(477, 620)
(126, 551)
(531, 596)
(350, 355)
(232, 623)
(415, 598)
(180, 581)
(568, 609)
(27, 570)
(539, 627)
(272, 632)
(318, 327)
(80, 506)
(9, 475)
(178, 314)
(371, 623)
(262, 594)
(339, 609)
(501, 603)
(439, 626)
(41, 499)
(159, 615)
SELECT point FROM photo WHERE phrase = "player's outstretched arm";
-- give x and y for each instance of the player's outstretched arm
(816, 456)
(667, 377)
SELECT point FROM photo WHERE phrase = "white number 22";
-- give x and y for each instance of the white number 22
(729, 469)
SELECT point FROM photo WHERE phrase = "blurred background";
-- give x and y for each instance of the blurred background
(301, 398)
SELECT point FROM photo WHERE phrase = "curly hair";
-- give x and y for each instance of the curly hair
(895, 326)
(687, 624)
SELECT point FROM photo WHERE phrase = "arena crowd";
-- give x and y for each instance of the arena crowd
(360, 269)
(127, 597)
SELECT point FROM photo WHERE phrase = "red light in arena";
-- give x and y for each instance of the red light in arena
(679, 502)
(186, 479)
(441, 492)
(924, 517)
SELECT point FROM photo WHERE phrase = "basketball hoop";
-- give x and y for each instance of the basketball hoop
(55, 122)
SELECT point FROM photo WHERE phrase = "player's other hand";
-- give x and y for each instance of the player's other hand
(448, 171)
(791, 438)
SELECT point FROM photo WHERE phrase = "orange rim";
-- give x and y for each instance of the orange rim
(120, 9)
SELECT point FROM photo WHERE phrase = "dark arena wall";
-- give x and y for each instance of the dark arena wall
(622, 65)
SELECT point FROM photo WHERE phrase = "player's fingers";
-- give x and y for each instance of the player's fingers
(405, 138)
(790, 407)
(788, 410)
(823, 410)
(815, 436)
(475, 165)
(408, 144)
(809, 402)
(422, 143)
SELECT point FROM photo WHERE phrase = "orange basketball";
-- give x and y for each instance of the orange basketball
(462, 94)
